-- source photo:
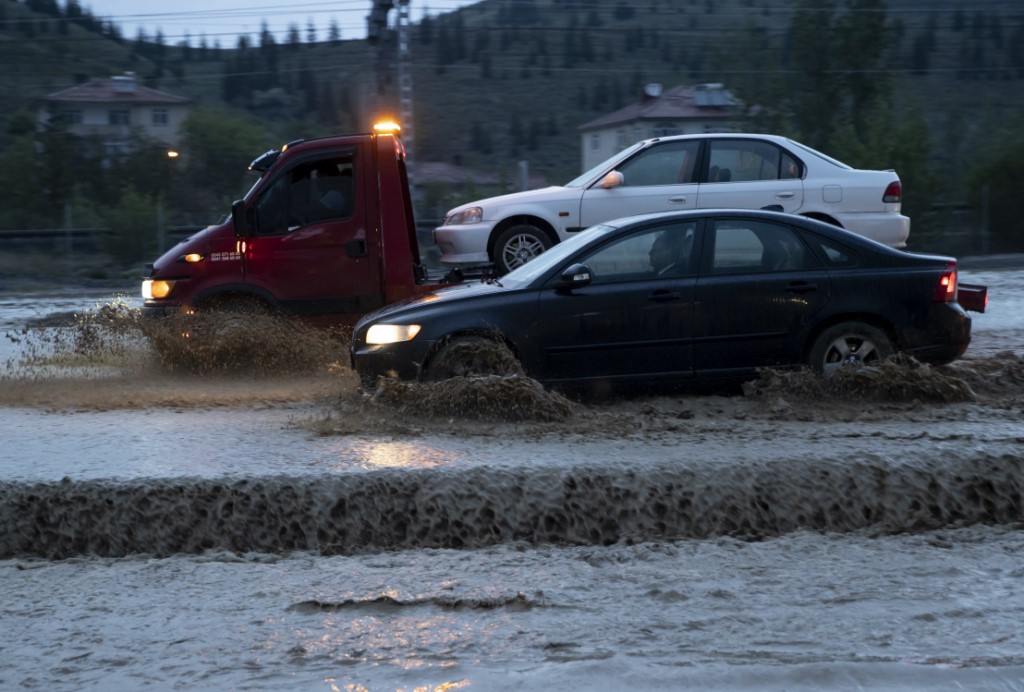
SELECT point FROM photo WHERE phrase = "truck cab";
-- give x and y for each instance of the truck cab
(327, 230)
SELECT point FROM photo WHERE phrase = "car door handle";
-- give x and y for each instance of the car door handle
(801, 287)
(677, 200)
(664, 296)
(784, 195)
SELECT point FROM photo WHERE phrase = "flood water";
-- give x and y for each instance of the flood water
(190, 533)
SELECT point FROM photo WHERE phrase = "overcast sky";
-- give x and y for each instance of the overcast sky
(224, 20)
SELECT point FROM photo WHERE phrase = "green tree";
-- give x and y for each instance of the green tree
(994, 184)
(132, 227)
(813, 88)
(218, 146)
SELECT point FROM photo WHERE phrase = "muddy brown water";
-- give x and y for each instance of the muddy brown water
(108, 360)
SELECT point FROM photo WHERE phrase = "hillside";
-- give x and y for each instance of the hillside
(507, 80)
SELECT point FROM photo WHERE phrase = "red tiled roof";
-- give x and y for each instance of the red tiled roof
(105, 91)
(678, 103)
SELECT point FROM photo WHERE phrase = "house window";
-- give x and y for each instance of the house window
(160, 116)
(664, 130)
(620, 139)
(72, 117)
(118, 117)
(595, 141)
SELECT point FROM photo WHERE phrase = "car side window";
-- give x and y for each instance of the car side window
(834, 254)
(747, 246)
(671, 163)
(740, 160)
(663, 250)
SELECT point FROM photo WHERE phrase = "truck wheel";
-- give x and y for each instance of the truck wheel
(517, 245)
(471, 356)
(849, 343)
(241, 305)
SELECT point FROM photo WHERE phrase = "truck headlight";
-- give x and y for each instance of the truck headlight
(379, 334)
(471, 215)
(156, 289)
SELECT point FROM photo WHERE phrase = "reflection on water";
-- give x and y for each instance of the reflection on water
(404, 455)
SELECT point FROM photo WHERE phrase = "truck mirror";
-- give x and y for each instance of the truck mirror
(240, 220)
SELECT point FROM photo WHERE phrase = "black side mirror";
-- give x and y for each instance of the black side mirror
(240, 219)
(575, 276)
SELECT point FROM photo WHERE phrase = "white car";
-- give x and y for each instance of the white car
(748, 171)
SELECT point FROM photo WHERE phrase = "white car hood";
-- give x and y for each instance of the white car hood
(528, 198)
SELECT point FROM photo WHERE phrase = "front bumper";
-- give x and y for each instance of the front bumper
(402, 360)
(463, 244)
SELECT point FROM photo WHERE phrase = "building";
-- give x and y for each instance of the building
(116, 111)
(682, 110)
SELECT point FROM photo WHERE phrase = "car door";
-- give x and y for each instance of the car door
(630, 321)
(749, 174)
(309, 250)
(757, 297)
(658, 178)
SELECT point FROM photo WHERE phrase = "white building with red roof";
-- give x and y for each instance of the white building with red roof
(682, 110)
(117, 110)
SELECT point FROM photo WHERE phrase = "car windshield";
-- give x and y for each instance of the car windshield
(824, 157)
(604, 165)
(540, 265)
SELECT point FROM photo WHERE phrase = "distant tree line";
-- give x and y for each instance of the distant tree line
(840, 75)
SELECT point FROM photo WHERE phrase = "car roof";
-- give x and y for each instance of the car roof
(720, 135)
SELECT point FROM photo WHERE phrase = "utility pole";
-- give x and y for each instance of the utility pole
(376, 32)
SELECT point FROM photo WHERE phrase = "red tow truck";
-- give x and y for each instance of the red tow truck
(327, 230)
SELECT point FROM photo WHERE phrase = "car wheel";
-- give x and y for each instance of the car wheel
(517, 245)
(471, 356)
(849, 343)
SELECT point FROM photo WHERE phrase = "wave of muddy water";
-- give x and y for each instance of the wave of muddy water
(258, 530)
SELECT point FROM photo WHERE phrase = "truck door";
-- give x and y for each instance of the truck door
(309, 245)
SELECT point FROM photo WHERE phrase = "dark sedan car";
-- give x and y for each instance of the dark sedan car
(699, 294)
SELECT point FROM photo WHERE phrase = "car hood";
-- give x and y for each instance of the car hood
(464, 291)
(555, 193)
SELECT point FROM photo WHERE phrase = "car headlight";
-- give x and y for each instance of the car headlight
(156, 289)
(471, 215)
(379, 334)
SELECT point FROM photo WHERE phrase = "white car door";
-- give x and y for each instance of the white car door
(659, 178)
(750, 174)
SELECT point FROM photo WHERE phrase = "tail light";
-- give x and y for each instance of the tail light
(893, 193)
(945, 292)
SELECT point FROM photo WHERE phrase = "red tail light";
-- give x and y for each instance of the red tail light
(893, 193)
(945, 292)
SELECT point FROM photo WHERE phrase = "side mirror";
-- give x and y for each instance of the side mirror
(575, 276)
(613, 179)
(240, 219)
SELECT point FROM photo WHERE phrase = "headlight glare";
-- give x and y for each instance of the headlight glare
(379, 334)
(156, 289)
(471, 215)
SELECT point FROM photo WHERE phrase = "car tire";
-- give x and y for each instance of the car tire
(849, 343)
(471, 356)
(517, 245)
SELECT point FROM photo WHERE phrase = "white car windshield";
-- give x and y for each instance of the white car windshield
(607, 164)
(540, 265)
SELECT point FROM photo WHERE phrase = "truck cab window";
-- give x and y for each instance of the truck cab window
(310, 193)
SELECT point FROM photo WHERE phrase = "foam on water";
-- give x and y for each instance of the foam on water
(432, 508)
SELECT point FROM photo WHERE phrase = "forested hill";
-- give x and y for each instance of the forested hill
(933, 88)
